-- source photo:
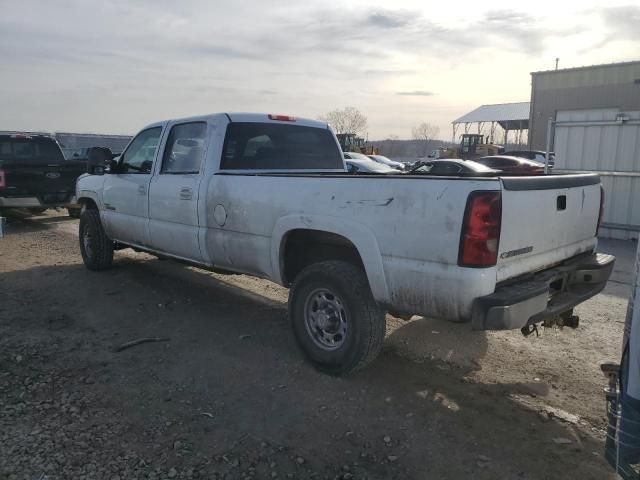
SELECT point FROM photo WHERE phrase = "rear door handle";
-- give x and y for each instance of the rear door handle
(186, 193)
(142, 190)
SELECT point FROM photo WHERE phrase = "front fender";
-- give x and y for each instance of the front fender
(88, 186)
(362, 238)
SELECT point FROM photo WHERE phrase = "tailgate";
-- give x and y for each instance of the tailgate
(40, 178)
(545, 220)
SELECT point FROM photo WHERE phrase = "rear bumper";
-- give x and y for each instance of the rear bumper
(46, 200)
(543, 295)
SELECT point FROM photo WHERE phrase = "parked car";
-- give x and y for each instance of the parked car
(35, 176)
(512, 165)
(387, 161)
(269, 196)
(452, 167)
(536, 155)
(360, 163)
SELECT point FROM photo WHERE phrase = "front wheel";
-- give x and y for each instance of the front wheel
(96, 248)
(74, 212)
(335, 319)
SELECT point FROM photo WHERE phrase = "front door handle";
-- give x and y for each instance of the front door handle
(142, 190)
(186, 193)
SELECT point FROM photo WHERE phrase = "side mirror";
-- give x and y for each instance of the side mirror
(99, 159)
(112, 165)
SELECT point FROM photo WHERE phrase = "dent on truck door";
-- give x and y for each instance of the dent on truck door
(125, 200)
(173, 194)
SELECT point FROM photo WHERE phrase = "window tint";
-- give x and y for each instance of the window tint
(273, 146)
(445, 168)
(138, 158)
(185, 148)
(30, 149)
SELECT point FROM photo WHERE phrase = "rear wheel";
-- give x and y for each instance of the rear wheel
(96, 248)
(336, 322)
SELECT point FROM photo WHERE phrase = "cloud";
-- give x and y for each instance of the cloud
(390, 19)
(623, 22)
(382, 71)
(416, 93)
(134, 62)
(222, 51)
(526, 32)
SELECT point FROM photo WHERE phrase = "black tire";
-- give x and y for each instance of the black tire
(74, 212)
(363, 320)
(96, 248)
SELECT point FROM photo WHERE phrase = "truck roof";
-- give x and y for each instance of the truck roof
(247, 117)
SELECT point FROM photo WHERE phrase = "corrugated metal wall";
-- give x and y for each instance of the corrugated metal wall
(606, 141)
(593, 87)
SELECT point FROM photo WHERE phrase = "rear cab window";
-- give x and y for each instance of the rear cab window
(29, 149)
(271, 146)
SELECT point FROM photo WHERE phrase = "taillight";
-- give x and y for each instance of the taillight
(601, 213)
(3, 182)
(481, 230)
(282, 118)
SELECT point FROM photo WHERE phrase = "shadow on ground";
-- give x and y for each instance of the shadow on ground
(21, 222)
(231, 380)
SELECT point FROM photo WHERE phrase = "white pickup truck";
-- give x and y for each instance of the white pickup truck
(269, 196)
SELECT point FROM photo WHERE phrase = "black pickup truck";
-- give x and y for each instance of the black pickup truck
(34, 174)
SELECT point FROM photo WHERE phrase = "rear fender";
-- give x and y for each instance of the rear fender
(362, 238)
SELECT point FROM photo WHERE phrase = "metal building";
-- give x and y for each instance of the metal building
(595, 126)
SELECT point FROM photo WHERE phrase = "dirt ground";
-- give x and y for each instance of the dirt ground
(229, 396)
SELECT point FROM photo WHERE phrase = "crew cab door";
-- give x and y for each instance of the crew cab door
(125, 193)
(173, 193)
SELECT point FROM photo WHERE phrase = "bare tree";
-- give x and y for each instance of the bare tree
(425, 133)
(347, 120)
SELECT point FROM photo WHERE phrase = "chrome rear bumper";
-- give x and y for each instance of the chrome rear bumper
(534, 298)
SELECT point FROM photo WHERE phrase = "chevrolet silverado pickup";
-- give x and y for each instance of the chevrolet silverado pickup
(269, 196)
(34, 175)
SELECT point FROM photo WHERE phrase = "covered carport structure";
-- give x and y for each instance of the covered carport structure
(511, 117)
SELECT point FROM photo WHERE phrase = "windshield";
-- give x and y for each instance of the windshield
(359, 156)
(385, 160)
(369, 165)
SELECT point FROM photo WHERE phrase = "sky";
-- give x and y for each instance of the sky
(115, 66)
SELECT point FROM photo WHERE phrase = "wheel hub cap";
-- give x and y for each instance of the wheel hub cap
(326, 319)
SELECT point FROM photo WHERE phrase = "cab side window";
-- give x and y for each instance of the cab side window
(185, 148)
(138, 157)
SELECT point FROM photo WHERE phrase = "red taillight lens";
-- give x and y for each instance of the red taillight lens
(481, 230)
(282, 118)
(2, 179)
(601, 213)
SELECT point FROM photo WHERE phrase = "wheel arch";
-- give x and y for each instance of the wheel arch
(323, 227)
(88, 199)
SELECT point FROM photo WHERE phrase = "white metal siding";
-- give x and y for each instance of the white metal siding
(598, 140)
